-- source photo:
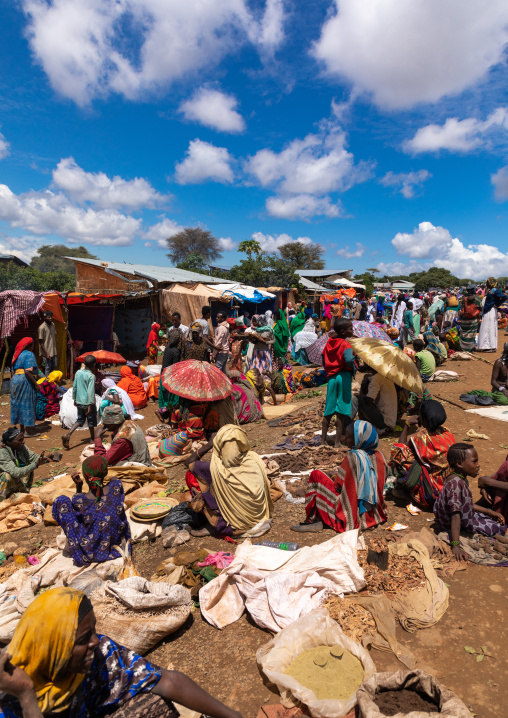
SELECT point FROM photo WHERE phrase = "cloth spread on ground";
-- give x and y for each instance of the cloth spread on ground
(20, 511)
(496, 397)
(492, 412)
(277, 587)
(295, 443)
(240, 483)
(16, 304)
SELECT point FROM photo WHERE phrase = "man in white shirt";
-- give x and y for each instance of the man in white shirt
(206, 313)
(176, 320)
(222, 342)
(377, 402)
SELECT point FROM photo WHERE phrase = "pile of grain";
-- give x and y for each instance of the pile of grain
(104, 605)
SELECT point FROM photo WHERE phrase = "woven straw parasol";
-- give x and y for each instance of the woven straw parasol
(389, 361)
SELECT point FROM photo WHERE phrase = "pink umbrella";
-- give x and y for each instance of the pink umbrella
(196, 380)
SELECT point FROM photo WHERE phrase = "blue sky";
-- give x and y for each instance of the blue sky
(377, 128)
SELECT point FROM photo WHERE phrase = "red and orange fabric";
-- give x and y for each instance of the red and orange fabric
(133, 386)
(21, 346)
(334, 500)
(152, 345)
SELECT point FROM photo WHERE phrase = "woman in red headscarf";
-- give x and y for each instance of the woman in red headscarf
(152, 345)
(133, 385)
(24, 387)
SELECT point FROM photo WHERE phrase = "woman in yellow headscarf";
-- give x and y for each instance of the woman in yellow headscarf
(48, 401)
(233, 489)
(57, 664)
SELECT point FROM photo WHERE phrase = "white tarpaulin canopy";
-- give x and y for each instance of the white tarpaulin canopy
(243, 291)
(348, 283)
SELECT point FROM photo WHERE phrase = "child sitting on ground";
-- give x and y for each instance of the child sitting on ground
(454, 508)
(424, 360)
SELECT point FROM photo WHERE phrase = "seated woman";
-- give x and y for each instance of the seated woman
(95, 522)
(246, 403)
(454, 508)
(201, 419)
(133, 386)
(17, 463)
(494, 489)
(432, 344)
(260, 383)
(51, 392)
(128, 442)
(353, 498)
(58, 665)
(232, 490)
(113, 395)
(420, 460)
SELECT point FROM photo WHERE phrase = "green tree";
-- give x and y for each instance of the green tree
(13, 277)
(250, 247)
(193, 263)
(193, 240)
(51, 258)
(435, 277)
(303, 256)
(264, 270)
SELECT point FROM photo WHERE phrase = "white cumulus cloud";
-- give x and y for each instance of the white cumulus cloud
(24, 246)
(474, 261)
(227, 244)
(457, 135)
(214, 109)
(348, 253)
(272, 242)
(82, 47)
(160, 231)
(318, 164)
(403, 53)
(405, 182)
(99, 189)
(204, 162)
(500, 181)
(4, 147)
(302, 206)
(47, 212)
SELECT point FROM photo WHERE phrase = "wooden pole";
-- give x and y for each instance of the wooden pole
(448, 401)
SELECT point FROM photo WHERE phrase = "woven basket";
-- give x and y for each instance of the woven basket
(153, 509)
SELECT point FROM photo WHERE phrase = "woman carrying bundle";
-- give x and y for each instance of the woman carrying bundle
(353, 498)
(262, 338)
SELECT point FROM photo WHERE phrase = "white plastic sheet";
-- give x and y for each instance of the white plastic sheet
(277, 587)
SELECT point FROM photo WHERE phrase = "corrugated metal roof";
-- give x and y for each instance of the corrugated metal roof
(148, 271)
(321, 272)
(311, 285)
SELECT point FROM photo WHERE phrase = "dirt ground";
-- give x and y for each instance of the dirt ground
(224, 661)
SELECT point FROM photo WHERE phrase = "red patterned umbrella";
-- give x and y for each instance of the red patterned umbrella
(104, 357)
(196, 380)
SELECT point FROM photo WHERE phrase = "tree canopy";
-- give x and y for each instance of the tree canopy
(196, 241)
(303, 256)
(264, 269)
(14, 277)
(51, 258)
(193, 262)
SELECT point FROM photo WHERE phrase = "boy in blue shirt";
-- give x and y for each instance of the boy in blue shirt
(83, 393)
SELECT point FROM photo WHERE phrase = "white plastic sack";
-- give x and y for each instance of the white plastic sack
(136, 592)
(313, 630)
(277, 587)
(153, 370)
(69, 413)
(303, 340)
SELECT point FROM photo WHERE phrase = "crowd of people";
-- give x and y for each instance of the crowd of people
(65, 665)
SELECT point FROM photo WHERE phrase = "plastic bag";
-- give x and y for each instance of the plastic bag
(172, 536)
(183, 517)
(314, 629)
(449, 704)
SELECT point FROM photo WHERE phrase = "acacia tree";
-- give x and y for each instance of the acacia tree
(51, 258)
(193, 240)
(303, 256)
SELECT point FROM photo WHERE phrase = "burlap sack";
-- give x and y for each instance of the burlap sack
(449, 704)
(153, 611)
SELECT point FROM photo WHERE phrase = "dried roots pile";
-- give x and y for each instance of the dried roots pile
(351, 617)
(404, 574)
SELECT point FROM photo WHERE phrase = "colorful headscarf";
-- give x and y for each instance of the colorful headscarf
(95, 469)
(432, 342)
(42, 646)
(195, 327)
(491, 283)
(21, 346)
(153, 336)
(366, 442)
(55, 377)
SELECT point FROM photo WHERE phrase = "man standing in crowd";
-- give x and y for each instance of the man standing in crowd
(222, 342)
(177, 323)
(47, 343)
